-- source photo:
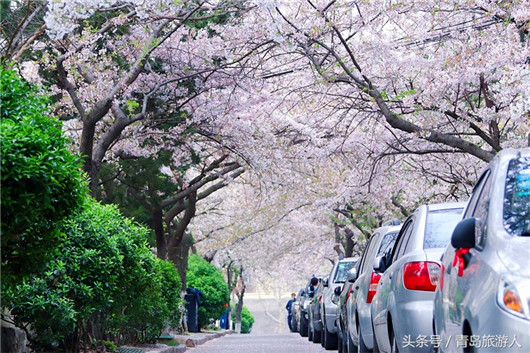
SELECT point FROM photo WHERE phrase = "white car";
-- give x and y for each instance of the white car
(482, 303)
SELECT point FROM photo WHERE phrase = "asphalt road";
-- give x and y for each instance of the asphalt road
(270, 316)
(259, 343)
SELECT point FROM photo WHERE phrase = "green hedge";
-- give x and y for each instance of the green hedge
(42, 181)
(210, 281)
(103, 281)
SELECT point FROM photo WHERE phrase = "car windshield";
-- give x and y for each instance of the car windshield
(341, 275)
(516, 213)
(440, 225)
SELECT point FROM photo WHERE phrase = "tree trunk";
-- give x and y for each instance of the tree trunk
(158, 227)
(348, 249)
(239, 306)
(179, 256)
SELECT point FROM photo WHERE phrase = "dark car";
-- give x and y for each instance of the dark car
(302, 315)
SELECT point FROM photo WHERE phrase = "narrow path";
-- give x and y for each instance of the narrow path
(259, 343)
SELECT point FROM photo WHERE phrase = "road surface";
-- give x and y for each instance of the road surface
(259, 343)
(269, 313)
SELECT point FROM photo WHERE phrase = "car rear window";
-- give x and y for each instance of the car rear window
(341, 275)
(439, 227)
(385, 249)
(516, 213)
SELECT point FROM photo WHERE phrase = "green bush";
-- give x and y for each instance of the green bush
(42, 181)
(210, 281)
(247, 319)
(103, 281)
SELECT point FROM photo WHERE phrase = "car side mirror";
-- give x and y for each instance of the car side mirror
(325, 282)
(379, 264)
(337, 290)
(336, 294)
(352, 275)
(464, 234)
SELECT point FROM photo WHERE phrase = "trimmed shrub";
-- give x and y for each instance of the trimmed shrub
(210, 281)
(42, 181)
(247, 319)
(104, 284)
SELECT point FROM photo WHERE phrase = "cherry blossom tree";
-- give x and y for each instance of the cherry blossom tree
(343, 114)
(454, 75)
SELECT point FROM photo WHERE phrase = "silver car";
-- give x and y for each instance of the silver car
(337, 277)
(482, 303)
(402, 307)
(359, 325)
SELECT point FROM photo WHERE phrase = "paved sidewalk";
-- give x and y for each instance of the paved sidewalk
(192, 339)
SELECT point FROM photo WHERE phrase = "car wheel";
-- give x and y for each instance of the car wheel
(393, 343)
(467, 333)
(303, 328)
(351, 348)
(361, 347)
(376, 347)
(323, 336)
(317, 336)
(340, 346)
(331, 340)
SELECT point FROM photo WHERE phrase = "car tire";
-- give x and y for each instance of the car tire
(331, 340)
(361, 347)
(393, 343)
(317, 336)
(303, 328)
(350, 347)
(376, 347)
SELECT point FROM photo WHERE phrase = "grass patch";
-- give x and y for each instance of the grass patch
(169, 341)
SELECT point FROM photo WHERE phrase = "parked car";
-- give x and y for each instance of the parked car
(314, 313)
(302, 314)
(482, 303)
(328, 308)
(295, 307)
(359, 333)
(341, 298)
(402, 307)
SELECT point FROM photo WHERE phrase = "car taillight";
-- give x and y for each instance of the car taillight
(372, 288)
(422, 275)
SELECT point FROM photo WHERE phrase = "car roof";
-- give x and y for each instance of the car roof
(511, 153)
(445, 206)
(349, 259)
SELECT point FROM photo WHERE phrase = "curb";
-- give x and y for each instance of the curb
(186, 341)
(194, 342)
